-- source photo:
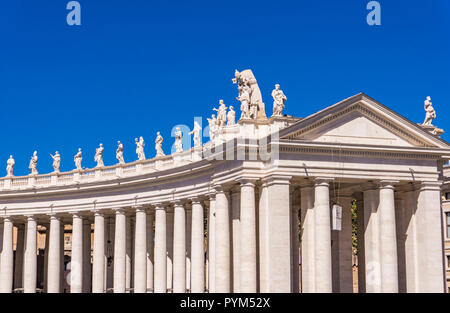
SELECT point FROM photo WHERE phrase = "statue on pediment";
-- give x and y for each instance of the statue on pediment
(231, 117)
(221, 114)
(197, 132)
(10, 166)
(119, 153)
(56, 161)
(77, 159)
(178, 140)
(212, 127)
(158, 145)
(248, 89)
(99, 156)
(278, 101)
(33, 164)
(430, 113)
(140, 144)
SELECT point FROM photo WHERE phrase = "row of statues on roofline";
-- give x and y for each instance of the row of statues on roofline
(98, 158)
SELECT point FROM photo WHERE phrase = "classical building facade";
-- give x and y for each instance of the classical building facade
(266, 206)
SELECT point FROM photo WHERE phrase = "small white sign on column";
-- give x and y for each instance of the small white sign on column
(336, 214)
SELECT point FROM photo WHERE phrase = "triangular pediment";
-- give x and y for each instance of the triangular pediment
(360, 120)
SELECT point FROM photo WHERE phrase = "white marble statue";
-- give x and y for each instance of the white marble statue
(212, 127)
(99, 156)
(119, 153)
(33, 164)
(158, 145)
(231, 117)
(10, 166)
(77, 159)
(246, 79)
(244, 98)
(278, 101)
(221, 114)
(140, 144)
(178, 140)
(56, 161)
(197, 132)
(430, 113)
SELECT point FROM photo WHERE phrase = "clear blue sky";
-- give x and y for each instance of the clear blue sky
(135, 67)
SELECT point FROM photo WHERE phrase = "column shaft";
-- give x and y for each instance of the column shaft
(179, 249)
(76, 264)
(30, 257)
(87, 267)
(18, 270)
(222, 259)
(247, 233)
(197, 250)
(98, 268)
(322, 236)
(235, 225)
(120, 252)
(54, 256)
(212, 244)
(150, 252)
(160, 250)
(140, 252)
(7, 257)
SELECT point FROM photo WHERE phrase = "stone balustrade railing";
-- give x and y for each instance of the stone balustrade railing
(104, 173)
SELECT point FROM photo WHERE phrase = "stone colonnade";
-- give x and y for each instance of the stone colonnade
(240, 237)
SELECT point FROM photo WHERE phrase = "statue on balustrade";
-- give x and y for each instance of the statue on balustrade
(33, 164)
(249, 95)
(158, 145)
(56, 161)
(140, 144)
(10, 166)
(99, 156)
(430, 113)
(77, 159)
(212, 127)
(278, 101)
(221, 114)
(119, 153)
(231, 117)
(178, 140)
(197, 132)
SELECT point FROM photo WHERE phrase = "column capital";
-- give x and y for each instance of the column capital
(429, 185)
(98, 212)
(247, 181)
(196, 200)
(30, 217)
(159, 206)
(119, 210)
(276, 179)
(323, 181)
(219, 189)
(54, 216)
(139, 208)
(178, 203)
(387, 184)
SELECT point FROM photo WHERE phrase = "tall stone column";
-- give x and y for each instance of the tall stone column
(428, 218)
(235, 226)
(371, 239)
(197, 250)
(120, 252)
(7, 257)
(87, 267)
(411, 245)
(222, 259)
(212, 243)
(295, 242)
(307, 242)
(263, 221)
(400, 231)
(129, 253)
(140, 251)
(98, 267)
(54, 255)
(388, 238)
(247, 234)
(277, 223)
(179, 248)
(360, 238)
(322, 235)
(47, 240)
(150, 251)
(169, 245)
(18, 269)
(160, 249)
(62, 265)
(76, 269)
(30, 256)
(343, 275)
(188, 246)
